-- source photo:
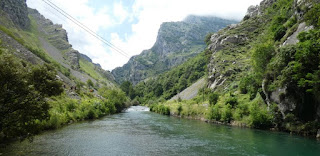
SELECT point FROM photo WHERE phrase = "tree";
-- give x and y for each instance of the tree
(45, 81)
(21, 104)
(114, 97)
(213, 98)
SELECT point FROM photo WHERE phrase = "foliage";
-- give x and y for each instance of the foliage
(170, 83)
(161, 109)
(213, 98)
(261, 55)
(22, 99)
(259, 115)
(313, 15)
(45, 80)
(90, 83)
(127, 87)
(249, 85)
(116, 97)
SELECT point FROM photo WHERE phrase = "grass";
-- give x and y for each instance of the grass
(89, 69)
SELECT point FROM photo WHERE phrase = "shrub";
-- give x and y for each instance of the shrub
(214, 113)
(213, 98)
(279, 33)
(232, 101)
(259, 116)
(226, 114)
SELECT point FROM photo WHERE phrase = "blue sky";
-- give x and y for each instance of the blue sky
(131, 25)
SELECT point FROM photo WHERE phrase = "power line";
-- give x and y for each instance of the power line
(88, 30)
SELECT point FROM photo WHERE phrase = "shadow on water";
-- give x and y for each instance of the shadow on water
(140, 132)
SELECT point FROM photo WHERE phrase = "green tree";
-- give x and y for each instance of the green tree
(20, 102)
(114, 97)
(45, 81)
(213, 98)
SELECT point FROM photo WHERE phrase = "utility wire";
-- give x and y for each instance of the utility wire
(88, 30)
(86, 27)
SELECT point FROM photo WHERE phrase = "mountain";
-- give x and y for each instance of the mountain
(45, 83)
(262, 72)
(176, 42)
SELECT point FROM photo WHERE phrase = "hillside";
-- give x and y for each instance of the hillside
(263, 72)
(45, 83)
(176, 42)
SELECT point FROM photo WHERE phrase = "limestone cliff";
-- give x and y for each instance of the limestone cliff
(176, 42)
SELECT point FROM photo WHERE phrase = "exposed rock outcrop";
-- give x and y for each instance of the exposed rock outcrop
(176, 42)
(55, 34)
(285, 103)
(73, 57)
(293, 38)
(256, 10)
(17, 11)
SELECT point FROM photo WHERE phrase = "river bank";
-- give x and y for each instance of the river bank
(229, 116)
(140, 132)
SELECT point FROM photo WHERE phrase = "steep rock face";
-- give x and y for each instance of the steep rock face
(55, 34)
(176, 42)
(73, 57)
(226, 59)
(17, 11)
(230, 57)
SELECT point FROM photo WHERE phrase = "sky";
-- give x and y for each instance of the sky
(130, 25)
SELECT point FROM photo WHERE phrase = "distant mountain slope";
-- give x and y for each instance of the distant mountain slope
(176, 42)
(54, 39)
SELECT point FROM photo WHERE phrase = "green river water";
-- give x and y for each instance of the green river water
(140, 132)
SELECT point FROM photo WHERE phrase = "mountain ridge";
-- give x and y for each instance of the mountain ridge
(176, 42)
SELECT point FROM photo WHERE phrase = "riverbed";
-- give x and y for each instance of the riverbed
(140, 132)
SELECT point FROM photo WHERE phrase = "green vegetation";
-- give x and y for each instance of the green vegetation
(170, 83)
(34, 98)
(90, 69)
(265, 68)
(64, 110)
(23, 95)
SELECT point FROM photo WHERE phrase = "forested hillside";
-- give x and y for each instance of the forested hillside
(262, 72)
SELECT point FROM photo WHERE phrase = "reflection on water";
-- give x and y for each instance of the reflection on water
(140, 132)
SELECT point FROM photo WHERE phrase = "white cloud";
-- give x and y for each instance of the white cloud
(148, 13)
(120, 12)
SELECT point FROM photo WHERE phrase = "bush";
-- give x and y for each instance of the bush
(279, 33)
(161, 109)
(313, 15)
(226, 114)
(259, 116)
(232, 101)
(213, 98)
(114, 97)
(214, 113)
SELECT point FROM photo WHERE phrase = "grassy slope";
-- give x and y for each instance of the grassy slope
(69, 106)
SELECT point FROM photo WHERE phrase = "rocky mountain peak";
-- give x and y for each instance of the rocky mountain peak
(176, 42)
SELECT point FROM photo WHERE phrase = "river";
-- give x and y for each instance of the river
(140, 132)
